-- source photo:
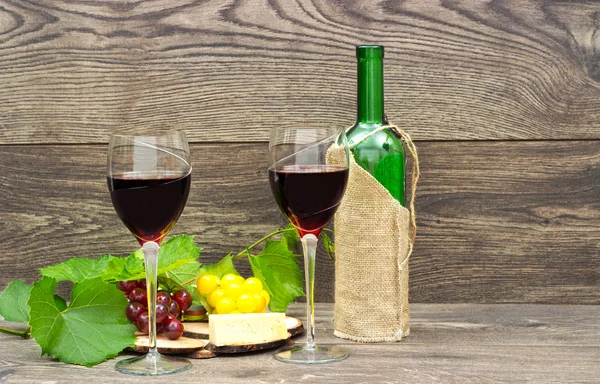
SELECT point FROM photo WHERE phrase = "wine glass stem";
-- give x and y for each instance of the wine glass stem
(309, 246)
(151, 261)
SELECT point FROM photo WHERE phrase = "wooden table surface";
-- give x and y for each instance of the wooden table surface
(456, 343)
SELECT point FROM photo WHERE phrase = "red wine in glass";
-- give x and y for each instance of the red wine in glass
(308, 195)
(149, 204)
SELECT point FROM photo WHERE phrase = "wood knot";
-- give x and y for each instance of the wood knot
(593, 67)
(9, 21)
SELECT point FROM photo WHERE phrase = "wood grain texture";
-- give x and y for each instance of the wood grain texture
(499, 222)
(448, 343)
(508, 222)
(73, 71)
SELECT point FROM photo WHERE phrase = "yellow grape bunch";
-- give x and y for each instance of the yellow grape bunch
(233, 294)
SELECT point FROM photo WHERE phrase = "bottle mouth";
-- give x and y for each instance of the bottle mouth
(369, 51)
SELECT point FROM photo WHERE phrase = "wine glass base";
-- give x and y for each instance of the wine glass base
(152, 364)
(315, 355)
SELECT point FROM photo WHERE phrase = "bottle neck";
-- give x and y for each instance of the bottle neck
(370, 90)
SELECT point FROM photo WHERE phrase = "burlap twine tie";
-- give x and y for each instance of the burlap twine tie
(374, 237)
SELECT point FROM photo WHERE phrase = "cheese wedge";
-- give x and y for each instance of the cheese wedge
(244, 329)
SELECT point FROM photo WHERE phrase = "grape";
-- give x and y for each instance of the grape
(142, 322)
(261, 302)
(142, 283)
(161, 312)
(246, 303)
(173, 329)
(134, 310)
(234, 290)
(215, 296)
(174, 308)
(183, 298)
(127, 286)
(139, 295)
(170, 317)
(207, 283)
(226, 305)
(252, 285)
(265, 294)
(163, 297)
(230, 278)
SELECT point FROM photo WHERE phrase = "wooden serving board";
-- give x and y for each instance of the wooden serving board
(194, 342)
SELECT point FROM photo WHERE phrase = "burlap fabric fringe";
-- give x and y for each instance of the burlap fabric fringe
(374, 237)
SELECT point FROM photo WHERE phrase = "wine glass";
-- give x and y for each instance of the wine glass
(308, 172)
(149, 181)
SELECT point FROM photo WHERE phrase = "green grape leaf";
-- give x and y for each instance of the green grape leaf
(90, 330)
(389, 172)
(219, 269)
(203, 301)
(61, 304)
(168, 284)
(290, 238)
(77, 269)
(328, 245)
(277, 268)
(125, 268)
(179, 250)
(186, 273)
(186, 276)
(13, 302)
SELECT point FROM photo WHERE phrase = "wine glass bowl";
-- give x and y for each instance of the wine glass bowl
(307, 207)
(308, 174)
(149, 180)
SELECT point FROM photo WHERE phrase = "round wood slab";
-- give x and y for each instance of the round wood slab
(294, 326)
(228, 349)
(201, 354)
(196, 330)
(170, 347)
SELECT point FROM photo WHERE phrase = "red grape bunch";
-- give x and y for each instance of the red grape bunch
(169, 308)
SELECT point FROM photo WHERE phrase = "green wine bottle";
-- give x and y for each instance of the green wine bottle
(382, 153)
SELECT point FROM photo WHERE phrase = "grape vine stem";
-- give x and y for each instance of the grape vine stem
(24, 334)
(267, 237)
(248, 248)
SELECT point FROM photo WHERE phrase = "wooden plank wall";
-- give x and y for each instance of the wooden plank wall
(502, 97)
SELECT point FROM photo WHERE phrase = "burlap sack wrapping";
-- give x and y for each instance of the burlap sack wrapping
(373, 241)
